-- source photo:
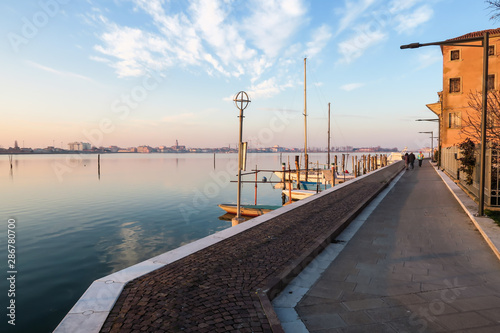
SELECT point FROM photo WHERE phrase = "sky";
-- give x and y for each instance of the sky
(139, 72)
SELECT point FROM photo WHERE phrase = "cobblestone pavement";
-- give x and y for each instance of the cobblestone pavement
(417, 264)
(227, 286)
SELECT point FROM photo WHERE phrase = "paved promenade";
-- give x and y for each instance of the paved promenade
(417, 264)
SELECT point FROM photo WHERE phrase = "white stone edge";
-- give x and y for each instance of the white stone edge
(486, 226)
(90, 312)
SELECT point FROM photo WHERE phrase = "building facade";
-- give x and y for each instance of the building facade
(79, 146)
(462, 78)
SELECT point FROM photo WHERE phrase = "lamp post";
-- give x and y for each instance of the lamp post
(241, 100)
(432, 144)
(485, 45)
(438, 137)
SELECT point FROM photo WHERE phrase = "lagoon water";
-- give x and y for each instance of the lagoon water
(74, 226)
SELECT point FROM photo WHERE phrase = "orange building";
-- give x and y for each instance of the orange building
(462, 76)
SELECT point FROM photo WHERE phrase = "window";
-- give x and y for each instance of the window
(455, 55)
(455, 85)
(454, 120)
(491, 50)
(491, 82)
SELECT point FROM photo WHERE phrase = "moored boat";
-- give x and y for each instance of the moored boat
(299, 194)
(248, 210)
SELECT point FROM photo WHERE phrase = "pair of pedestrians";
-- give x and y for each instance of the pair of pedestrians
(410, 159)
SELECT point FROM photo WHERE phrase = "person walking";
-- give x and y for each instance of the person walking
(407, 160)
(420, 158)
(411, 159)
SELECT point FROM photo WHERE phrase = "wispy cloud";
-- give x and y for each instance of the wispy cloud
(58, 72)
(407, 22)
(362, 40)
(273, 22)
(351, 86)
(353, 10)
(265, 89)
(206, 34)
(397, 6)
(320, 38)
(373, 26)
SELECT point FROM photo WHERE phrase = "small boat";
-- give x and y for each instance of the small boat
(248, 210)
(229, 217)
(299, 194)
(312, 186)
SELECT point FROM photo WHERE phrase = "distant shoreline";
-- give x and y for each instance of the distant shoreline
(188, 152)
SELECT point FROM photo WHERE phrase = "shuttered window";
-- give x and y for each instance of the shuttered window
(455, 85)
(454, 120)
(491, 82)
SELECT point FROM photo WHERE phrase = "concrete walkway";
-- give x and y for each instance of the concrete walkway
(418, 264)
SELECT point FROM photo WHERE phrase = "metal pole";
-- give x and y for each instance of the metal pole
(484, 118)
(240, 153)
(305, 110)
(328, 161)
(432, 146)
(306, 157)
(241, 100)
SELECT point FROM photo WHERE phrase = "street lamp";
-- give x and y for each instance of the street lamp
(241, 100)
(432, 144)
(485, 46)
(439, 137)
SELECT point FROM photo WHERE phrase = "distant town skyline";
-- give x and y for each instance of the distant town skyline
(131, 73)
(87, 147)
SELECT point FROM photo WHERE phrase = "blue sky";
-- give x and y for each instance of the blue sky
(137, 72)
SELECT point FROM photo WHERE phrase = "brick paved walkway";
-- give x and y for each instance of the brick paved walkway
(226, 287)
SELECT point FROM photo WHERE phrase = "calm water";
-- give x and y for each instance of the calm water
(73, 227)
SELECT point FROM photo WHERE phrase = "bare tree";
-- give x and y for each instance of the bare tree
(471, 123)
(494, 5)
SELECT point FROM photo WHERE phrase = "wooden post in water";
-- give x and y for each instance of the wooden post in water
(283, 167)
(297, 167)
(317, 177)
(352, 166)
(256, 172)
(336, 164)
(99, 166)
(290, 184)
(364, 164)
(333, 174)
(214, 161)
(306, 164)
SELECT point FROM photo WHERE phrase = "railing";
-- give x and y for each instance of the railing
(450, 164)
